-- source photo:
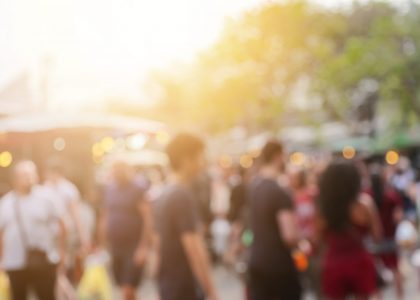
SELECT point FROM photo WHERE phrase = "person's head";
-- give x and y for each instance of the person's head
(403, 165)
(122, 172)
(298, 178)
(339, 188)
(186, 155)
(377, 182)
(24, 176)
(54, 169)
(273, 154)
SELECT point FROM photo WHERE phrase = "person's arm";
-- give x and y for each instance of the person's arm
(373, 216)
(62, 242)
(146, 234)
(192, 242)
(101, 227)
(155, 265)
(81, 231)
(282, 204)
(287, 223)
(1, 245)
(197, 256)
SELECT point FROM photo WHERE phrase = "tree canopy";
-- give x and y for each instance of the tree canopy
(296, 63)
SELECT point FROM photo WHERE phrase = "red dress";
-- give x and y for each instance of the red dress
(348, 269)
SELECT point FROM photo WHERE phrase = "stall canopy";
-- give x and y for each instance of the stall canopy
(42, 122)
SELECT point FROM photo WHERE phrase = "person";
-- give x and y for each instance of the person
(68, 202)
(401, 181)
(346, 218)
(126, 225)
(28, 251)
(238, 196)
(238, 210)
(304, 200)
(184, 271)
(272, 271)
(390, 206)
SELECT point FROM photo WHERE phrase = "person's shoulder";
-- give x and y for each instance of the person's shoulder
(7, 196)
(366, 201)
(43, 191)
(6, 199)
(69, 186)
(277, 190)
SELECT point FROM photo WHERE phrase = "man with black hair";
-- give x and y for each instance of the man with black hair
(273, 223)
(185, 268)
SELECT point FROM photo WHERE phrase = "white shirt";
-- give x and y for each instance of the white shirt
(65, 193)
(37, 215)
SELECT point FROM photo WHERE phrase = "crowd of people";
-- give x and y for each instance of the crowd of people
(330, 228)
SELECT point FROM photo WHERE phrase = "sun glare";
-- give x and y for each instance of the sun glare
(103, 49)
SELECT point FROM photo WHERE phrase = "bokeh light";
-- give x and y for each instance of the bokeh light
(162, 137)
(136, 142)
(107, 144)
(349, 152)
(6, 159)
(97, 150)
(225, 161)
(246, 161)
(392, 157)
(59, 144)
(97, 159)
(298, 158)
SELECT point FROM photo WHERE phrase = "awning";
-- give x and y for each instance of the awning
(42, 122)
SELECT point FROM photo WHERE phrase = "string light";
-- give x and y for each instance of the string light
(349, 152)
(392, 157)
(6, 159)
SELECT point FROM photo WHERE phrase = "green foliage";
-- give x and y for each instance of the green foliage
(365, 57)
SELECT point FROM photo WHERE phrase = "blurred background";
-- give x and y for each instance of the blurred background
(319, 74)
(91, 80)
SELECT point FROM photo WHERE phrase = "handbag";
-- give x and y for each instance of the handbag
(35, 258)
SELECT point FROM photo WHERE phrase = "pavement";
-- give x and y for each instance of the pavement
(230, 287)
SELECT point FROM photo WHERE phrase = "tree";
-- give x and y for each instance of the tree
(359, 63)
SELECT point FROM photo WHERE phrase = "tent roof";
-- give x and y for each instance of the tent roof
(40, 122)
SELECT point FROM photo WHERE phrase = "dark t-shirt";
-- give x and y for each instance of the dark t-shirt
(269, 253)
(238, 203)
(124, 223)
(176, 215)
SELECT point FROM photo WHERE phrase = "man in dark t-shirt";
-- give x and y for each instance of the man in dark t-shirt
(176, 217)
(127, 227)
(184, 267)
(273, 223)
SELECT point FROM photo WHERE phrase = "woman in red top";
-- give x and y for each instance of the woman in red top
(347, 216)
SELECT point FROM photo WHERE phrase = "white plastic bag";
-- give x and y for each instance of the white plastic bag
(406, 235)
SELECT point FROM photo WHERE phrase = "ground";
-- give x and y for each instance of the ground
(231, 288)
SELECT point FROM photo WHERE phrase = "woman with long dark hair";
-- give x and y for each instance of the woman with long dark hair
(347, 217)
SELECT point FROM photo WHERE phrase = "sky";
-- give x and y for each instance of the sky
(105, 48)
